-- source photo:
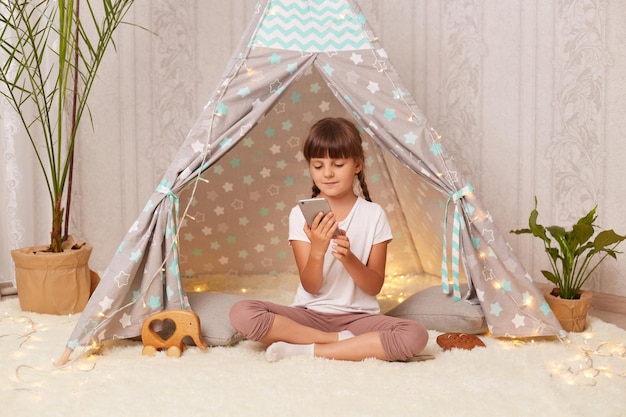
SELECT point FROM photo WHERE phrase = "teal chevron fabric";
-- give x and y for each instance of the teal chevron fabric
(312, 26)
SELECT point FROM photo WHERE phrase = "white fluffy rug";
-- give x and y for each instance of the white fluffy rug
(542, 378)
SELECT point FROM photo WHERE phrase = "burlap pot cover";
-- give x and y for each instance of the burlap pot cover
(572, 314)
(53, 283)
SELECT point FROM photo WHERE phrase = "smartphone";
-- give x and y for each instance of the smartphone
(311, 207)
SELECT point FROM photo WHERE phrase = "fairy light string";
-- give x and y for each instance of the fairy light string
(591, 363)
(27, 377)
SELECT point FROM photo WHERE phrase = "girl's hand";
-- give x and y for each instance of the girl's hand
(321, 232)
(341, 247)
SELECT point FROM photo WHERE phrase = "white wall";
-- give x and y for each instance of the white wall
(531, 93)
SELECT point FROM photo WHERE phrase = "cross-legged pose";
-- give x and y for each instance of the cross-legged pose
(335, 313)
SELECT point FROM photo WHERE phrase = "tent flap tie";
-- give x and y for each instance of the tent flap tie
(172, 230)
(456, 239)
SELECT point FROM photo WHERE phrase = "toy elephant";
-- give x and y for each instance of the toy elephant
(187, 324)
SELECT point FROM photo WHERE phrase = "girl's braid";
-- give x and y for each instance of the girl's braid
(363, 184)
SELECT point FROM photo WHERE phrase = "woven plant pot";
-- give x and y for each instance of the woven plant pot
(53, 283)
(572, 314)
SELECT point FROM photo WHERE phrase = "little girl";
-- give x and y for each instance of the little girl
(335, 313)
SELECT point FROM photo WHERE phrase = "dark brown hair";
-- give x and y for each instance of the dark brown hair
(335, 138)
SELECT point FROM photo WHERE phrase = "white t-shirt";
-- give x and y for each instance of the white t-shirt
(365, 226)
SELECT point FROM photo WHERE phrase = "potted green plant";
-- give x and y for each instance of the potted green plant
(50, 57)
(574, 255)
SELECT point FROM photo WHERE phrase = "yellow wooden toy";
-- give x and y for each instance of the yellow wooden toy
(187, 324)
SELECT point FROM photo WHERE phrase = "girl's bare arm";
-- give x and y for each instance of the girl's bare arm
(370, 277)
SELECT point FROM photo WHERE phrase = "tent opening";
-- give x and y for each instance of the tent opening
(234, 238)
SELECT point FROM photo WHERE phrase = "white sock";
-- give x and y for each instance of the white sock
(344, 334)
(281, 350)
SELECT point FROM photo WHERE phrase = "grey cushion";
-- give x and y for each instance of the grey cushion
(213, 310)
(438, 311)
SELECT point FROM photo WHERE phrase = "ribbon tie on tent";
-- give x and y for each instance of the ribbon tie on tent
(172, 219)
(172, 230)
(456, 241)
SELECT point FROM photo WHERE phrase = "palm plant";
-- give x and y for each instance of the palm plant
(576, 254)
(50, 95)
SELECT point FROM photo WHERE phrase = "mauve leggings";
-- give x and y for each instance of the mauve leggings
(401, 339)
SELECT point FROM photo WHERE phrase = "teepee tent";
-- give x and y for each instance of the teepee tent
(223, 204)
